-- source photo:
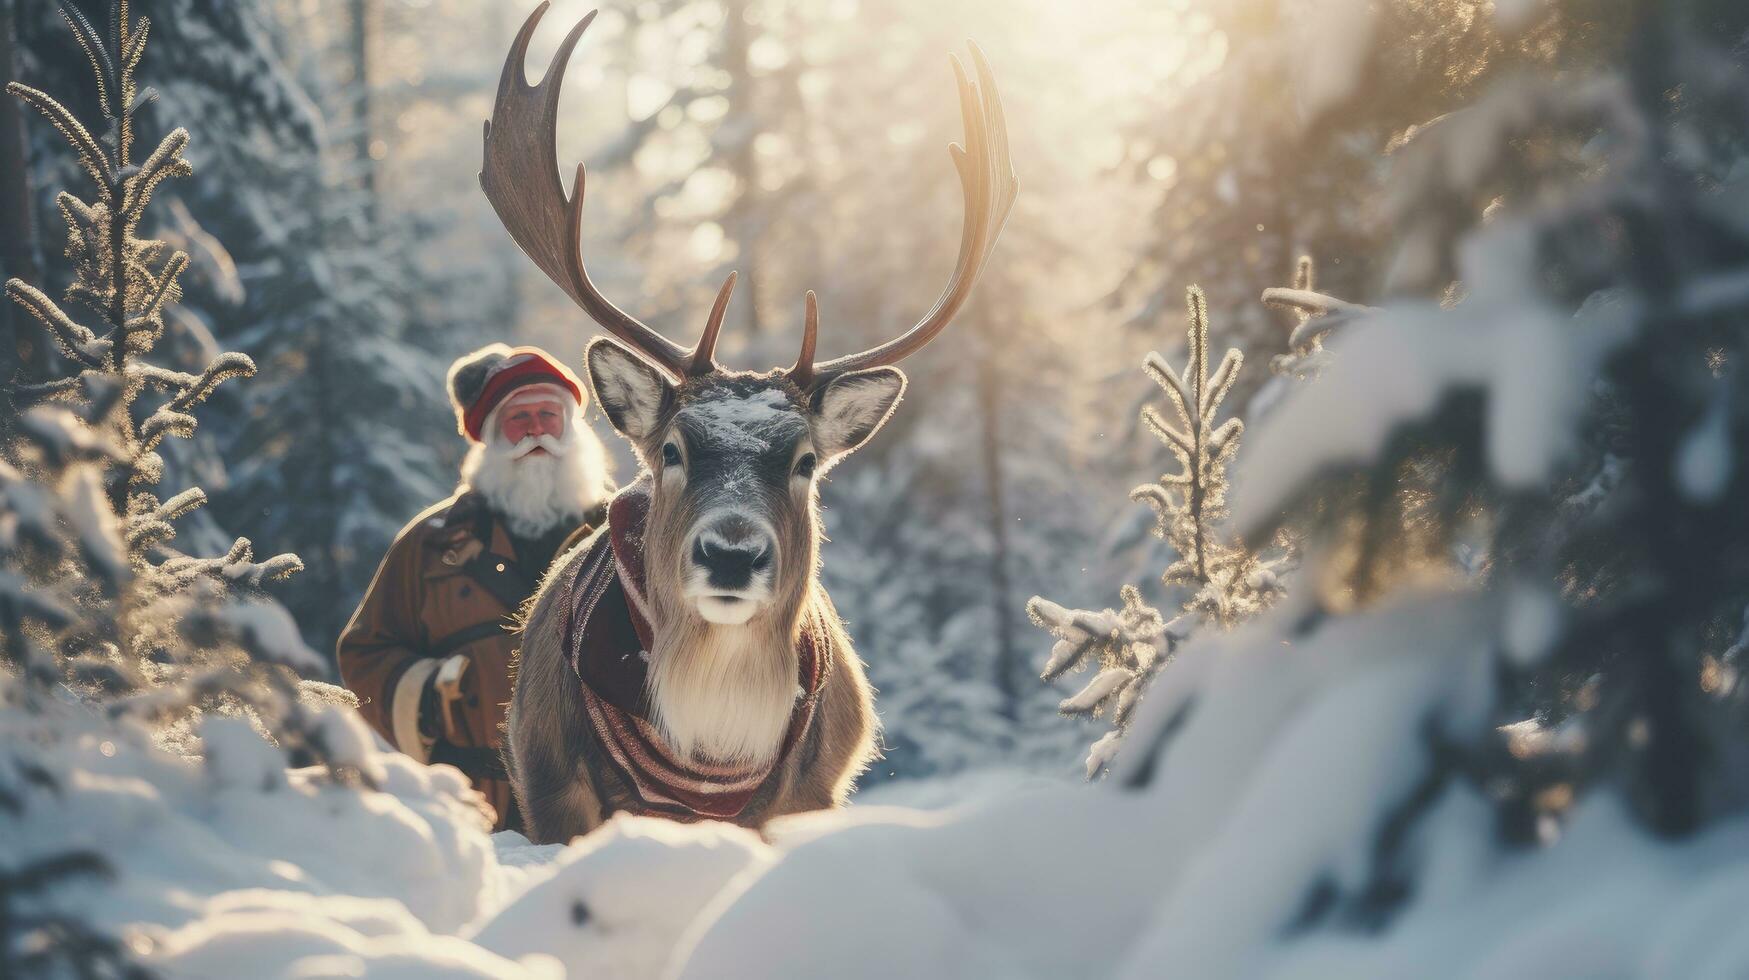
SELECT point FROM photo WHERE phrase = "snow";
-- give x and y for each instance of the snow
(181, 834)
(617, 903)
(745, 423)
(238, 758)
(88, 511)
(297, 936)
(1273, 779)
(1336, 39)
(1703, 461)
(1531, 625)
(270, 633)
(1394, 367)
(1104, 684)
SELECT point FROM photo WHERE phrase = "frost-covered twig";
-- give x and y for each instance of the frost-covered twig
(1315, 316)
(75, 340)
(1129, 646)
(1311, 303)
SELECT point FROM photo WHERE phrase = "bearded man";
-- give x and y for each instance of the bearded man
(428, 652)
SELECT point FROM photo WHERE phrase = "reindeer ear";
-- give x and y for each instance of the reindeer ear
(853, 407)
(630, 392)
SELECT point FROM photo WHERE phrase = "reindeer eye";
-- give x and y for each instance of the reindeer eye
(805, 466)
(670, 454)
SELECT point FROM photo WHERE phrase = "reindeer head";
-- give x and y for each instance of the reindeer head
(733, 458)
(733, 455)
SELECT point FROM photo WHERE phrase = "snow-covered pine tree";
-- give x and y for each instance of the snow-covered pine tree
(93, 596)
(1215, 580)
(1227, 582)
(97, 597)
(36, 942)
(1548, 444)
(1239, 197)
(281, 267)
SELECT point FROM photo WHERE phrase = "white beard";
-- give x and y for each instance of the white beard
(536, 492)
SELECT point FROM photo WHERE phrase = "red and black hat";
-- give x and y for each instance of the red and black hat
(479, 382)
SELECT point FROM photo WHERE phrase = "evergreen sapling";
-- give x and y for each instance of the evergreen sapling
(1222, 581)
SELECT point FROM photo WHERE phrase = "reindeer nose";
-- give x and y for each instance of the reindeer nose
(731, 552)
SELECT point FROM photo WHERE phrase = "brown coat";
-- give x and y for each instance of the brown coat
(450, 584)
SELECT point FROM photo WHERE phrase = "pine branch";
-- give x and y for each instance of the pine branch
(1311, 303)
(95, 55)
(165, 161)
(1225, 582)
(145, 533)
(76, 341)
(1225, 440)
(1107, 684)
(136, 43)
(1158, 497)
(91, 155)
(1182, 445)
(148, 468)
(31, 394)
(221, 369)
(1220, 384)
(1180, 396)
(64, 439)
(163, 290)
(164, 422)
(180, 505)
(1315, 316)
(236, 565)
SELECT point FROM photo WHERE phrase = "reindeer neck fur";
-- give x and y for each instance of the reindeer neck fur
(723, 693)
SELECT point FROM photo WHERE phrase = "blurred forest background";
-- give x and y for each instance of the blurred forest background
(339, 237)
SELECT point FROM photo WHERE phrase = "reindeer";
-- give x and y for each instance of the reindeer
(685, 660)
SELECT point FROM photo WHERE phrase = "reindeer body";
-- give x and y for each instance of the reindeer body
(739, 697)
(560, 769)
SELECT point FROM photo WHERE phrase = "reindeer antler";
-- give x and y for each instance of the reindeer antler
(989, 184)
(521, 178)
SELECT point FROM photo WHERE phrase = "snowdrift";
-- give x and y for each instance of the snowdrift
(1266, 794)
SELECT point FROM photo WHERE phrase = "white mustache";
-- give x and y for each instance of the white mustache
(530, 443)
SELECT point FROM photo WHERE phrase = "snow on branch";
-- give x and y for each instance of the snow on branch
(76, 341)
(63, 438)
(1315, 314)
(236, 565)
(165, 161)
(1128, 645)
(91, 155)
(221, 369)
(1311, 303)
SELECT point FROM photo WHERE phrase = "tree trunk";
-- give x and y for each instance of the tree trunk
(24, 351)
(990, 452)
(742, 216)
(359, 50)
